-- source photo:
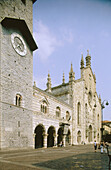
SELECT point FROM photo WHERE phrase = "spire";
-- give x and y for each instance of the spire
(99, 99)
(71, 74)
(88, 59)
(48, 83)
(34, 84)
(82, 62)
(63, 80)
(71, 68)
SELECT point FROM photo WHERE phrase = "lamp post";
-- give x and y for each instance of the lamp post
(105, 102)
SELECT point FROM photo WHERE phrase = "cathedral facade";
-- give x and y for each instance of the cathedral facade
(30, 117)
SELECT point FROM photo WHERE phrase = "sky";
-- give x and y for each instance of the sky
(63, 30)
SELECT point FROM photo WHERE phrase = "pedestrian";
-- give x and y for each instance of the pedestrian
(95, 145)
(102, 146)
(106, 147)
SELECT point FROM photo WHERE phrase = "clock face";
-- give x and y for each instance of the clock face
(18, 44)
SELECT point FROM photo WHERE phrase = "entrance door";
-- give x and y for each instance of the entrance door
(50, 138)
(39, 136)
(60, 136)
(90, 134)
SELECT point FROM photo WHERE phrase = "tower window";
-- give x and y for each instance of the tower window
(18, 100)
(24, 2)
(18, 123)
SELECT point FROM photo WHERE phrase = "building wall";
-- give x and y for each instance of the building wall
(18, 10)
(16, 78)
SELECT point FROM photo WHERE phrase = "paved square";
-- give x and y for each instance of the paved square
(68, 158)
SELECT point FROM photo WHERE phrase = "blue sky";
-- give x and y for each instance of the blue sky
(63, 29)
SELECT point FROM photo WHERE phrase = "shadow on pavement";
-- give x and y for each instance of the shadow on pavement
(88, 161)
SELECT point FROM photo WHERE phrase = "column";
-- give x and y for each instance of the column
(55, 140)
(45, 140)
(64, 140)
(34, 134)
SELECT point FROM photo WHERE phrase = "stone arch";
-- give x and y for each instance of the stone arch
(68, 138)
(50, 138)
(90, 134)
(79, 137)
(39, 136)
(60, 136)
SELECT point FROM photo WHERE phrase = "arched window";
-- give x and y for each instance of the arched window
(94, 115)
(44, 106)
(18, 100)
(86, 111)
(58, 112)
(67, 115)
(98, 121)
(78, 113)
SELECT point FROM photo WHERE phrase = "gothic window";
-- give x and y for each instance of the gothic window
(86, 113)
(86, 110)
(44, 107)
(90, 97)
(67, 115)
(98, 121)
(94, 115)
(18, 100)
(58, 112)
(78, 113)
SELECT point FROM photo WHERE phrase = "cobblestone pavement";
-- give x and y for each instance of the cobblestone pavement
(65, 158)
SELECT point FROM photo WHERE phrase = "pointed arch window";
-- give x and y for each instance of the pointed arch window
(18, 100)
(98, 121)
(78, 113)
(94, 115)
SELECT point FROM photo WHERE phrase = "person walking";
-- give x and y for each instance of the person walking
(95, 145)
(102, 146)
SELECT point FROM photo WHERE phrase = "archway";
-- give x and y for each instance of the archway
(60, 136)
(68, 138)
(50, 138)
(39, 131)
(90, 134)
(79, 137)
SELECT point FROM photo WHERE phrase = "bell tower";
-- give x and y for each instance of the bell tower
(16, 73)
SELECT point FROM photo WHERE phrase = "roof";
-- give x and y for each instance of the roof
(22, 26)
(106, 121)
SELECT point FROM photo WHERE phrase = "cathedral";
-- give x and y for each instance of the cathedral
(31, 117)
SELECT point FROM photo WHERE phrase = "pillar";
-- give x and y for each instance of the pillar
(45, 140)
(55, 140)
(34, 134)
(64, 140)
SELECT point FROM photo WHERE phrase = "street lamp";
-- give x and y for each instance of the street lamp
(105, 102)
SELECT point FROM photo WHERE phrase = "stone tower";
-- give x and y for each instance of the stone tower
(16, 73)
